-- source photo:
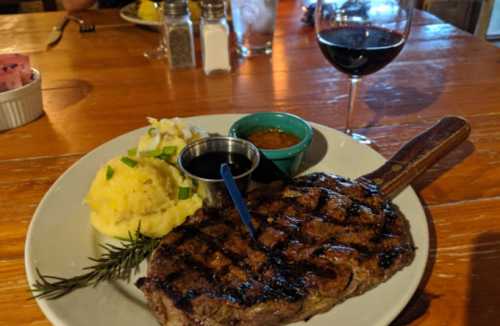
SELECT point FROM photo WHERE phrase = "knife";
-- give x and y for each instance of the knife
(56, 33)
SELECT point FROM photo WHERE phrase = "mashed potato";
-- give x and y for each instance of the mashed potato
(145, 187)
(146, 193)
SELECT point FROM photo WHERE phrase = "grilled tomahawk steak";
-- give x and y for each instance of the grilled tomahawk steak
(320, 240)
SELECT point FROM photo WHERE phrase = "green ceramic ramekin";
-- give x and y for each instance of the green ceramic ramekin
(288, 159)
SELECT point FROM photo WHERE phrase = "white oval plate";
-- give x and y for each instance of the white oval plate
(60, 238)
(129, 13)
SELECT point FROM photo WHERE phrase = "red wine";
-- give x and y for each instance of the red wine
(208, 165)
(360, 50)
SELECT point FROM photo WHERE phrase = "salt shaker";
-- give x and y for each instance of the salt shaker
(214, 32)
(178, 33)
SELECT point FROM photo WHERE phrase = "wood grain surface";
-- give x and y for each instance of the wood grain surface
(97, 86)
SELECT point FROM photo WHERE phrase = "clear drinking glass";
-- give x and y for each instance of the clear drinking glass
(360, 37)
(253, 22)
(160, 52)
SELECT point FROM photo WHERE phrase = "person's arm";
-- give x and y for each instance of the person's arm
(75, 5)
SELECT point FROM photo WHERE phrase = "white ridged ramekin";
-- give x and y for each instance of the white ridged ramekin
(21, 105)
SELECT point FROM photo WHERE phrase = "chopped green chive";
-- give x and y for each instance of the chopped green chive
(109, 172)
(128, 161)
(184, 193)
(163, 157)
(164, 154)
(151, 132)
(132, 152)
(169, 150)
(153, 153)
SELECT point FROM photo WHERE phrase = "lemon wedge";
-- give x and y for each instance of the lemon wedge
(148, 10)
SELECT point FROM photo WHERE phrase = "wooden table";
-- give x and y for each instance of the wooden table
(98, 86)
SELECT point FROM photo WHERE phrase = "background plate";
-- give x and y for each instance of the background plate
(129, 13)
(60, 238)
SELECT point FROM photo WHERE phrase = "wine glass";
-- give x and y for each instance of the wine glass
(360, 37)
(160, 51)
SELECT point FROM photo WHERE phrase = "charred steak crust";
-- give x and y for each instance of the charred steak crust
(320, 240)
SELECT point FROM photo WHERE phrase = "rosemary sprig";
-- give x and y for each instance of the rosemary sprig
(117, 262)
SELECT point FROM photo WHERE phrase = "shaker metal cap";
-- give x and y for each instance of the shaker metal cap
(176, 7)
(213, 9)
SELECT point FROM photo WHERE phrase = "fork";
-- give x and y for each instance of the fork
(85, 27)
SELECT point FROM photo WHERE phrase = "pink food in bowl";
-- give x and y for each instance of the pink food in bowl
(15, 71)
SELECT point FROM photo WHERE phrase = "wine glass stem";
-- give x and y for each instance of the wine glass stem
(350, 108)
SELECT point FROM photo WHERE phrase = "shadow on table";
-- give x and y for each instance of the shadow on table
(421, 300)
(69, 92)
(484, 281)
(390, 99)
(484, 290)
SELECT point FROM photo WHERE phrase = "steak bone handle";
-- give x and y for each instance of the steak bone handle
(415, 157)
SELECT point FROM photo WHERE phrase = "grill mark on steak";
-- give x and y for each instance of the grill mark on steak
(313, 243)
(284, 281)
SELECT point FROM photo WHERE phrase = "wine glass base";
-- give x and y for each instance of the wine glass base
(155, 54)
(361, 139)
(247, 52)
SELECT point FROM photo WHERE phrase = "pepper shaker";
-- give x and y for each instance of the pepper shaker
(214, 32)
(178, 33)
